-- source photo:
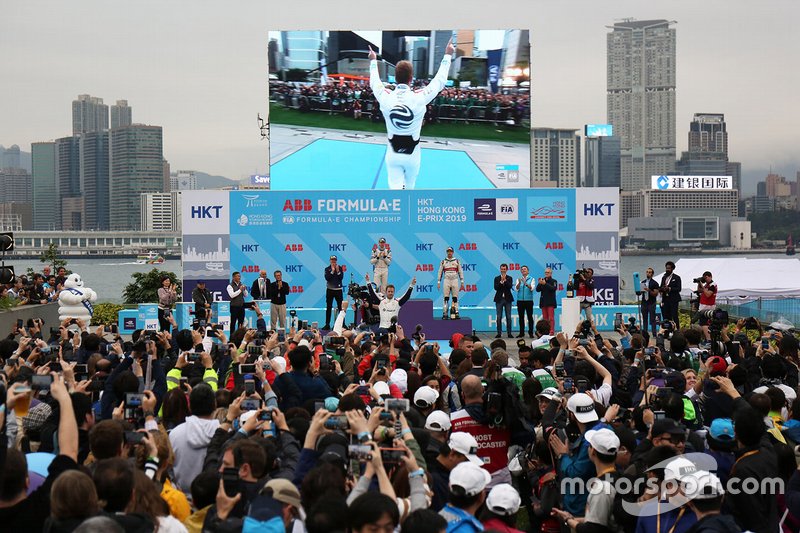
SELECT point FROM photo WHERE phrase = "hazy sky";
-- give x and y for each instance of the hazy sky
(198, 68)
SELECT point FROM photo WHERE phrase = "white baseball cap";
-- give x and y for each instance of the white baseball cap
(582, 406)
(470, 477)
(503, 499)
(400, 378)
(438, 421)
(465, 444)
(425, 396)
(381, 387)
(278, 363)
(603, 440)
(679, 468)
(701, 485)
(549, 393)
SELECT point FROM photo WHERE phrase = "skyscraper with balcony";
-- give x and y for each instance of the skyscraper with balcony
(556, 157)
(121, 114)
(137, 166)
(641, 98)
(89, 113)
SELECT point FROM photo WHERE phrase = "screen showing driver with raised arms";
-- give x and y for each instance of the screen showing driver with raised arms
(429, 109)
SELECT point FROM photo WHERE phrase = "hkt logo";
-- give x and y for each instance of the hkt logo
(510, 246)
(293, 248)
(468, 246)
(249, 247)
(297, 205)
(470, 288)
(554, 246)
(204, 211)
(250, 268)
(554, 266)
(337, 247)
(597, 210)
(424, 247)
(296, 288)
(293, 268)
(424, 288)
(469, 267)
(424, 268)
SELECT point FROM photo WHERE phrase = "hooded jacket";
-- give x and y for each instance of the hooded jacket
(190, 440)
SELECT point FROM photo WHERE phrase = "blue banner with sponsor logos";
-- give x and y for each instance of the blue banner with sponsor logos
(297, 232)
(493, 60)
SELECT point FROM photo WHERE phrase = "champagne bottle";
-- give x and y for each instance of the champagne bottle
(570, 288)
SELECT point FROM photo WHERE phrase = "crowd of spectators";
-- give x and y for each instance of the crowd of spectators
(188, 430)
(355, 99)
(38, 288)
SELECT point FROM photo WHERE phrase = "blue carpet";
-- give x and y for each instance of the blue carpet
(327, 164)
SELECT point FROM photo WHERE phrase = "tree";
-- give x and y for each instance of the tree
(50, 257)
(144, 286)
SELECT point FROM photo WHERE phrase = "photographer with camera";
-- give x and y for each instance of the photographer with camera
(707, 290)
(585, 290)
(389, 306)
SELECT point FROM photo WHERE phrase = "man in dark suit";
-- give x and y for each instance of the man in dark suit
(261, 287)
(503, 300)
(670, 293)
(202, 301)
(649, 292)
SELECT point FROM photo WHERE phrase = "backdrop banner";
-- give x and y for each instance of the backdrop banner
(297, 232)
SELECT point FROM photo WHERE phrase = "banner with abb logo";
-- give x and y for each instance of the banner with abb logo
(297, 232)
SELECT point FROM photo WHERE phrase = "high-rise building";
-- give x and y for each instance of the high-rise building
(15, 186)
(72, 214)
(121, 114)
(183, 180)
(602, 162)
(46, 196)
(89, 113)
(94, 172)
(11, 157)
(68, 174)
(708, 134)
(556, 157)
(137, 166)
(516, 48)
(641, 98)
(161, 211)
(303, 49)
(648, 203)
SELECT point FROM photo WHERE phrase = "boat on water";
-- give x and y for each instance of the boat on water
(150, 258)
(214, 266)
(790, 246)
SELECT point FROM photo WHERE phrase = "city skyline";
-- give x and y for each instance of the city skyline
(205, 83)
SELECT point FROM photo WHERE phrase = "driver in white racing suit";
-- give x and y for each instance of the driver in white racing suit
(404, 110)
(381, 259)
(390, 306)
(453, 280)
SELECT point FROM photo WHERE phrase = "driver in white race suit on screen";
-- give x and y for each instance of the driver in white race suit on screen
(404, 110)
(450, 268)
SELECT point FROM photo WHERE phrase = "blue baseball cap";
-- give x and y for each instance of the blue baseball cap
(722, 429)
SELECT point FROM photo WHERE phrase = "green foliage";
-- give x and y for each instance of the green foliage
(50, 257)
(7, 302)
(776, 225)
(106, 313)
(144, 286)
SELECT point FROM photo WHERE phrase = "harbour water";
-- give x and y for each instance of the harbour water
(108, 276)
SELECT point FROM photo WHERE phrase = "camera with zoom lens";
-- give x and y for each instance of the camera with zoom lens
(701, 279)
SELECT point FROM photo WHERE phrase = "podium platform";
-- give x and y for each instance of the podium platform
(421, 312)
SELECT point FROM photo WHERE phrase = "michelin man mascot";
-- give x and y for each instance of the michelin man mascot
(75, 300)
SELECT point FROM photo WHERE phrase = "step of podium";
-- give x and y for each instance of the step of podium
(421, 312)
